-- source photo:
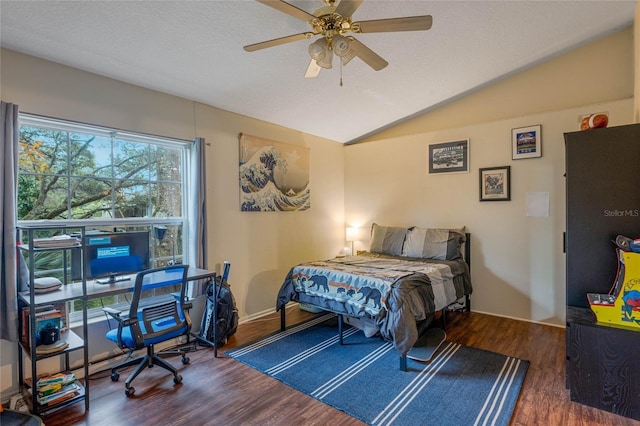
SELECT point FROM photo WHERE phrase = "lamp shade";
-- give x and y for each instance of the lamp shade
(320, 52)
(326, 61)
(318, 49)
(353, 233)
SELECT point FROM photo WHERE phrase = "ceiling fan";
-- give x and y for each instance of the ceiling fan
(332, 23)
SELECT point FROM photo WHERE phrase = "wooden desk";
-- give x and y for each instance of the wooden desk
(96, 289)
(73, 290)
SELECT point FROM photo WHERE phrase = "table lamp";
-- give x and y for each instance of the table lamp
(353, 235)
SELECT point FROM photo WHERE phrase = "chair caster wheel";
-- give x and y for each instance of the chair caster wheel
(185, 360)
(129, 391)
(115, 376)
(177, 379)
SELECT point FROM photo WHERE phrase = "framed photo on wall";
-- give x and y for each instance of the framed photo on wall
(495, 183)
(526, 142)
(274, 176)
(449, 157)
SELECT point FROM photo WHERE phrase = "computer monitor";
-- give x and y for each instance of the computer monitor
(109, 256)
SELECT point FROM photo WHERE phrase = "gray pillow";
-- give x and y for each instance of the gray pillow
(438, 244)
(387, 239)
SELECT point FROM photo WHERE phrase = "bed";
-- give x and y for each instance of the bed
(395, 289)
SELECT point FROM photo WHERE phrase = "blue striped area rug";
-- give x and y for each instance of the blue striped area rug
(460, 386)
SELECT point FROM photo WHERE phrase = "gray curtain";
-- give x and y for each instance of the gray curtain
(198, 198)
(9, 184)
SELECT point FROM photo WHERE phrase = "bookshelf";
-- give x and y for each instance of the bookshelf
(44, 304)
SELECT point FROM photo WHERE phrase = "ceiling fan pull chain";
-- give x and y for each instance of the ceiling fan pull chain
(340, 73)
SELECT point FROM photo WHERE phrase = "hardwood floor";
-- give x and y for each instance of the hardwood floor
(221, 391)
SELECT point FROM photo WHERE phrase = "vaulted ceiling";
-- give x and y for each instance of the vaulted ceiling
(194, 49)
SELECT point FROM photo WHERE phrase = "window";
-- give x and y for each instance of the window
(106, 179)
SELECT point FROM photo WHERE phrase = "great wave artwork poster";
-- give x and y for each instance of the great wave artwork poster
(274, 176)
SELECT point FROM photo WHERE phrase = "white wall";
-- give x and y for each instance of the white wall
(518, 267)
(517, 261)
(260, 246)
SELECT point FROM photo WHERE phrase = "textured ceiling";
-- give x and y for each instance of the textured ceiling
(193, 49)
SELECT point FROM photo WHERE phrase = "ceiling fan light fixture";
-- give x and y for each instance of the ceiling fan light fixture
(318, 49)
(341, 45)
(331, 23)
(326, 60)
(321, 53)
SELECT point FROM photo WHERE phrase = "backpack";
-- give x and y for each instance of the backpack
(227, 313)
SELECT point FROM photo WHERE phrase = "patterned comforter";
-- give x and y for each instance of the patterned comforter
(393, 292)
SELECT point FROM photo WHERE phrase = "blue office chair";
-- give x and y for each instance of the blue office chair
(150, 323)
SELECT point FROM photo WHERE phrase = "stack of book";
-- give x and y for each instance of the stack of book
(56, 388)
(45, 316)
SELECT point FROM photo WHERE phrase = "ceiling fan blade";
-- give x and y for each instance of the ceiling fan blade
(312, 70)
(347, 7)
(277, 41)
(370, 57)
(409, 23)
(289, 9)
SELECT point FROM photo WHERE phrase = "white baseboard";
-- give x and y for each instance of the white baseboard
(520, 319)
(264, 313)
(255, 316)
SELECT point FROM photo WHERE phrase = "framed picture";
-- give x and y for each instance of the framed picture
(274, 176)
(449, 157)
(495, 184)
(526, 142)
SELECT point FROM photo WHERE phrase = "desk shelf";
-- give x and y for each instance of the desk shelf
(65, 293)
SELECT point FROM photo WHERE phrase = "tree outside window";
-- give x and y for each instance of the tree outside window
(96, 176)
